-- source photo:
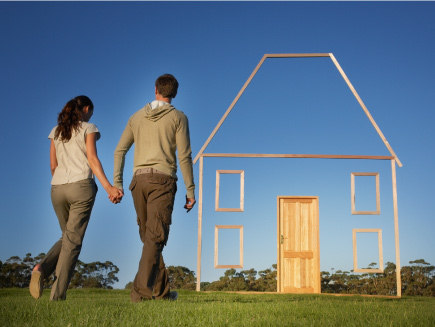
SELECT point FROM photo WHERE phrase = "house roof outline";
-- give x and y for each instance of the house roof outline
(349, 84)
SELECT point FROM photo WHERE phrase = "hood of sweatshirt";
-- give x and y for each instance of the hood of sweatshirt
(157, 113)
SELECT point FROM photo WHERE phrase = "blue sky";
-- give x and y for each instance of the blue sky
(113, 52)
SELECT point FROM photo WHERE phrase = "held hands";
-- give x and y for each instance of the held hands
(115, 194)
(189, 204)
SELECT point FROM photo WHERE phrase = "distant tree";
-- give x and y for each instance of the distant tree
(229, 282)
(237, 281)
(417, 279)
(387, 285)
(94, 275)
(16, 272)
(245, 280)
(250, 277)
(181, 278)
(204, 286)
(267, 280)
(326, 282)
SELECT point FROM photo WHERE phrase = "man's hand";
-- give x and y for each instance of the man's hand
(189, 204)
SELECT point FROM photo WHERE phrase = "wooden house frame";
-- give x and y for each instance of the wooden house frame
(392, 158)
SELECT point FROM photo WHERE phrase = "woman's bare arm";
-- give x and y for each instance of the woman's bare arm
(97, 168)
(53, 158)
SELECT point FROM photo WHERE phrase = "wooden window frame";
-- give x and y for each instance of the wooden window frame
(216, 245)
(242, 190)
(355, 259)
(378, 197)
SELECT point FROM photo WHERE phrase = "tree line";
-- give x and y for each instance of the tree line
(418, 278)
(16, 272)
(245, 280)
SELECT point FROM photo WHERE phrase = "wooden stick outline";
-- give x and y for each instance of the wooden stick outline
(199, 253)
(302, 55)
(396, 230)
(349, 84)
(277, 155)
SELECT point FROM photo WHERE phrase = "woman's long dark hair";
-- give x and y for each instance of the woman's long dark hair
(70, 117)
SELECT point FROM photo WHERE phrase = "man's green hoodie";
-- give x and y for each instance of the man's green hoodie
(157, 133)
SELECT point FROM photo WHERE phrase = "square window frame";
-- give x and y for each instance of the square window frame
(242, 190)
(216, 247)
(355, 259)
(378, 198)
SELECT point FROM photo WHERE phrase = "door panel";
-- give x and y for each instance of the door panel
(298, 245)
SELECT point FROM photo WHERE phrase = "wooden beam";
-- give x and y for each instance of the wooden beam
(322, 294)
(381, 252)
(216, 202)
(228, 266)
(278, 238)
(365, 109)
(396, 230)
(229, 109)
(355, 252)
(296, 55)
(242, 190)
(216, 246)
(315, 156)
(198, 264)
(229, 226)
(220, 171)
(370, 271)
(229, 210)
(241, 247)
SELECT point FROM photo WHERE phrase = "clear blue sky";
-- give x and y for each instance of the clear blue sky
(113, 52)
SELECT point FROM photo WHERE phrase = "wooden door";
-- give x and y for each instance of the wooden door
(298, 245)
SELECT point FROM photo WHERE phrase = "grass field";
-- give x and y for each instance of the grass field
(92, 307)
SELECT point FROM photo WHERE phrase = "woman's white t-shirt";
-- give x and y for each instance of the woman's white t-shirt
(73, 165)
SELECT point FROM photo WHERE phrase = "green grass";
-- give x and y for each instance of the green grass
(93, 307)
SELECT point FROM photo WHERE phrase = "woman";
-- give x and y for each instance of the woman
(73, 161)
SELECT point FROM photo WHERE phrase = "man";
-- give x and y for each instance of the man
(158, 130)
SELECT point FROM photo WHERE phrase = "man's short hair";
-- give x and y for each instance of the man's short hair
(167, 85)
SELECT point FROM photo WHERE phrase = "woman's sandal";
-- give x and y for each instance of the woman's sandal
(36, 283)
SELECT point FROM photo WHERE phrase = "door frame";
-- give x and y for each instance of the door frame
(316, 282)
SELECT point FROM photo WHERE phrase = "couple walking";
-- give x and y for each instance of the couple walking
(158, 131)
